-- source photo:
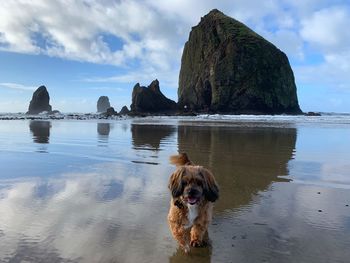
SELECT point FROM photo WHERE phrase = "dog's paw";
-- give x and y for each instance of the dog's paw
(196, 243)
(186, 248)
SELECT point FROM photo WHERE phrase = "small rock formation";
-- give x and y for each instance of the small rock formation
(40, 101)
(311, 113)
(55, 112)
(151, 100)
(103, 104)
(124, 110)
(227, 67)
(110, 111)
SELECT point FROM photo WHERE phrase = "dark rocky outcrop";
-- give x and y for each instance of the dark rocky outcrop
(40, 101)
(227, 67)
(110, 111)
(151, 100)
(311, 113)
(103, 104)
(124, 111)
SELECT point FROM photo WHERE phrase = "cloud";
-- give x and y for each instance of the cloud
(144, 76)
(334, 71)
(75, 29)
(16, 86)
(325, 29)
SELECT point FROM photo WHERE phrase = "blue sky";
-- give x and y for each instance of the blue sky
(83, 49)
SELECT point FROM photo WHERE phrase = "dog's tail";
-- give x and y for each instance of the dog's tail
(180, 159)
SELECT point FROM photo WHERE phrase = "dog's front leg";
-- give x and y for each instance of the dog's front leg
(181, 234)
(197, 233)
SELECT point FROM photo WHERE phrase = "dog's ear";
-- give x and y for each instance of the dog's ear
(211, 188)
(175, 183)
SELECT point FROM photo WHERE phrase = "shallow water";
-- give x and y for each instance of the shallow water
(90, 191)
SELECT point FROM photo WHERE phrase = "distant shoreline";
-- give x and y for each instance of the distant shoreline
(205, 119)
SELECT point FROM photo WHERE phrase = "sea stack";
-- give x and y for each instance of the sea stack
(40, 101)
(228, 68)
(103, 104)
(151, 100)
(124, 110)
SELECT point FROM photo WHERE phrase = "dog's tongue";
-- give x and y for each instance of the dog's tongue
(192, 200)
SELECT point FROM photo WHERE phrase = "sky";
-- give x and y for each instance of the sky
(83, 49)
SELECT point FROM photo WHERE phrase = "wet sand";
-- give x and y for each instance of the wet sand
(96, 191)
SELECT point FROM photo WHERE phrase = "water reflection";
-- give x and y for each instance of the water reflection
(197, 255)
(114, 209)
(149, 137)
(109, 215)
(40, 131)
(244, 160)
(103, 129)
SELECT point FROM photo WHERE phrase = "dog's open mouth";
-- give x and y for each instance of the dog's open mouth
(192, 200)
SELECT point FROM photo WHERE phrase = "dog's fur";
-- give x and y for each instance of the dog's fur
(193, 189)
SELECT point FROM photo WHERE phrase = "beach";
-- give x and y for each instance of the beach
(93, 190)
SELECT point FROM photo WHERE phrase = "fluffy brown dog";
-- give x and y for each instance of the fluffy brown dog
(193, 189)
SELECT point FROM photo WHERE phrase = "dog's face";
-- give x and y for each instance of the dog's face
(193, 184)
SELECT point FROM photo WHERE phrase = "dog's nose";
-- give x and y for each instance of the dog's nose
(193, 192)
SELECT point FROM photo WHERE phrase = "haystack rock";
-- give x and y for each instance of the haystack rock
(40, 101)
(151, 100)
(103, 104)
(227, 67)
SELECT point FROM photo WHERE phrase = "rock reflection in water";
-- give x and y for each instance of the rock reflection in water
(40, 131)
(244, 161)
(149, 137)
(103, 129)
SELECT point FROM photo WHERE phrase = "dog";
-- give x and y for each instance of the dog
(193, 192)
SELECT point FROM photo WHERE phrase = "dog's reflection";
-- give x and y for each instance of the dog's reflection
(197, 255)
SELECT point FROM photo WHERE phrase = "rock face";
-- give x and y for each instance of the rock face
(124, 110)
(151, 100)
(110, 111)
(103, 104)
(226, 67)
(40, 101)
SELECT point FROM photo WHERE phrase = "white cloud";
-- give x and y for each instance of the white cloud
(144, 76)
(16, 86)
(75, 29)
(333, 72)
(326, 29)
